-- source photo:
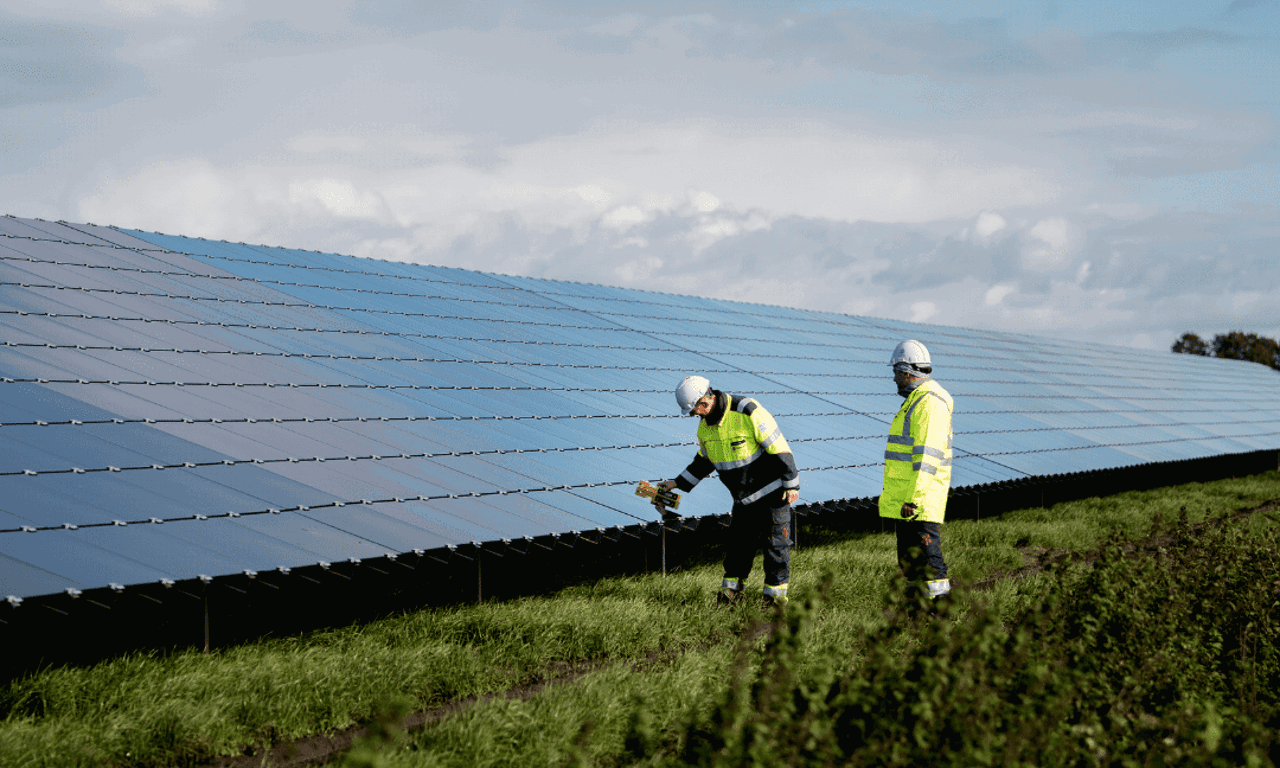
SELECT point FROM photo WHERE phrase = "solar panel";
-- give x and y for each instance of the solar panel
(179, 407)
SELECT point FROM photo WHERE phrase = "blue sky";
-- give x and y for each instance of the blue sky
(1096, 171)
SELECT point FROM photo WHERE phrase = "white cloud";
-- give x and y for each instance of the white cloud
(921, 311)
(1051, 231)
(1082, 274)
(996, 294)
(638, 270)
(1241, 300)
(151, 7)
(703, 202)
(1048, 245)
(712, 229)
(189, 197)
(989, 224)
(624, 217)
(741, 178)
(809, 170)
(1068, 306)
(338, 197)
(593, 195)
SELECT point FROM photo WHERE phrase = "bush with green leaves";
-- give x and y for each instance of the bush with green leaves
(1163, 657)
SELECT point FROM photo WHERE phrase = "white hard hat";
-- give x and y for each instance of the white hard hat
(690, 391)
(913, 354)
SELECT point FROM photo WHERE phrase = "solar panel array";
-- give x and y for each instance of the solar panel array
(178, 408)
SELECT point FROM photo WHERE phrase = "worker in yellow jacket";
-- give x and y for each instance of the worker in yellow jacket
(917, 468)
(741, 441)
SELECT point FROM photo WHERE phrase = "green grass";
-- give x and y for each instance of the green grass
(625, 656)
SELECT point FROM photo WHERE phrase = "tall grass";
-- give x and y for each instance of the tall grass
(636, 664)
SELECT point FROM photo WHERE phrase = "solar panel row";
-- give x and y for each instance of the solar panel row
(176, 407)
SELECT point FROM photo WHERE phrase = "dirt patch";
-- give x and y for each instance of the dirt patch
(1040, 559)
(322, 748)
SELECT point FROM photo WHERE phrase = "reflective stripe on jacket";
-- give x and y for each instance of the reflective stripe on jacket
(741, 441)
(917, 459)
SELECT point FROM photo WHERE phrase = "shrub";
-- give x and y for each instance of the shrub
(1159, 656)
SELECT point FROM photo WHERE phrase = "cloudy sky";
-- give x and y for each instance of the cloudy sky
(1088, 170)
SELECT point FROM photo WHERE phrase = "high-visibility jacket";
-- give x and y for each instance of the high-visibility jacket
(917, 459)
(741, 441)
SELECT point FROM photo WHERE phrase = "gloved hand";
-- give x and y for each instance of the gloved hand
(666, 488)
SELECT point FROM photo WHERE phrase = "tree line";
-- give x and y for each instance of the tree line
(1236, 345)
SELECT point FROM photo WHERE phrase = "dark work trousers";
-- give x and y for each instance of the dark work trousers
(926, 538)
(762, 525)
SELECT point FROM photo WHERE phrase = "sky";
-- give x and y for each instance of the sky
(1092, 171)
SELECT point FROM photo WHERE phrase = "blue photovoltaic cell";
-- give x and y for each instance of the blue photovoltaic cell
(82, 564)
(23, 578)
(464, 406)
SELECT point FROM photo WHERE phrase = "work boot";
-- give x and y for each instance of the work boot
(775, 596)
(771, 602)
(730, 592)
(728, 597)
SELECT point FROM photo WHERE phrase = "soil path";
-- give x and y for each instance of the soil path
(1041, 558)
(320, 749)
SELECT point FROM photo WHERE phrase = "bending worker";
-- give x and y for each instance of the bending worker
(739, 439)
(917, 468)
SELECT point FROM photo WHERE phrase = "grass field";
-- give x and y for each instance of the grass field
(617, 672)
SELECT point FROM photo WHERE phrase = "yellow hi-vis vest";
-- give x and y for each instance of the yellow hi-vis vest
(917, 460)
(747, 449)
